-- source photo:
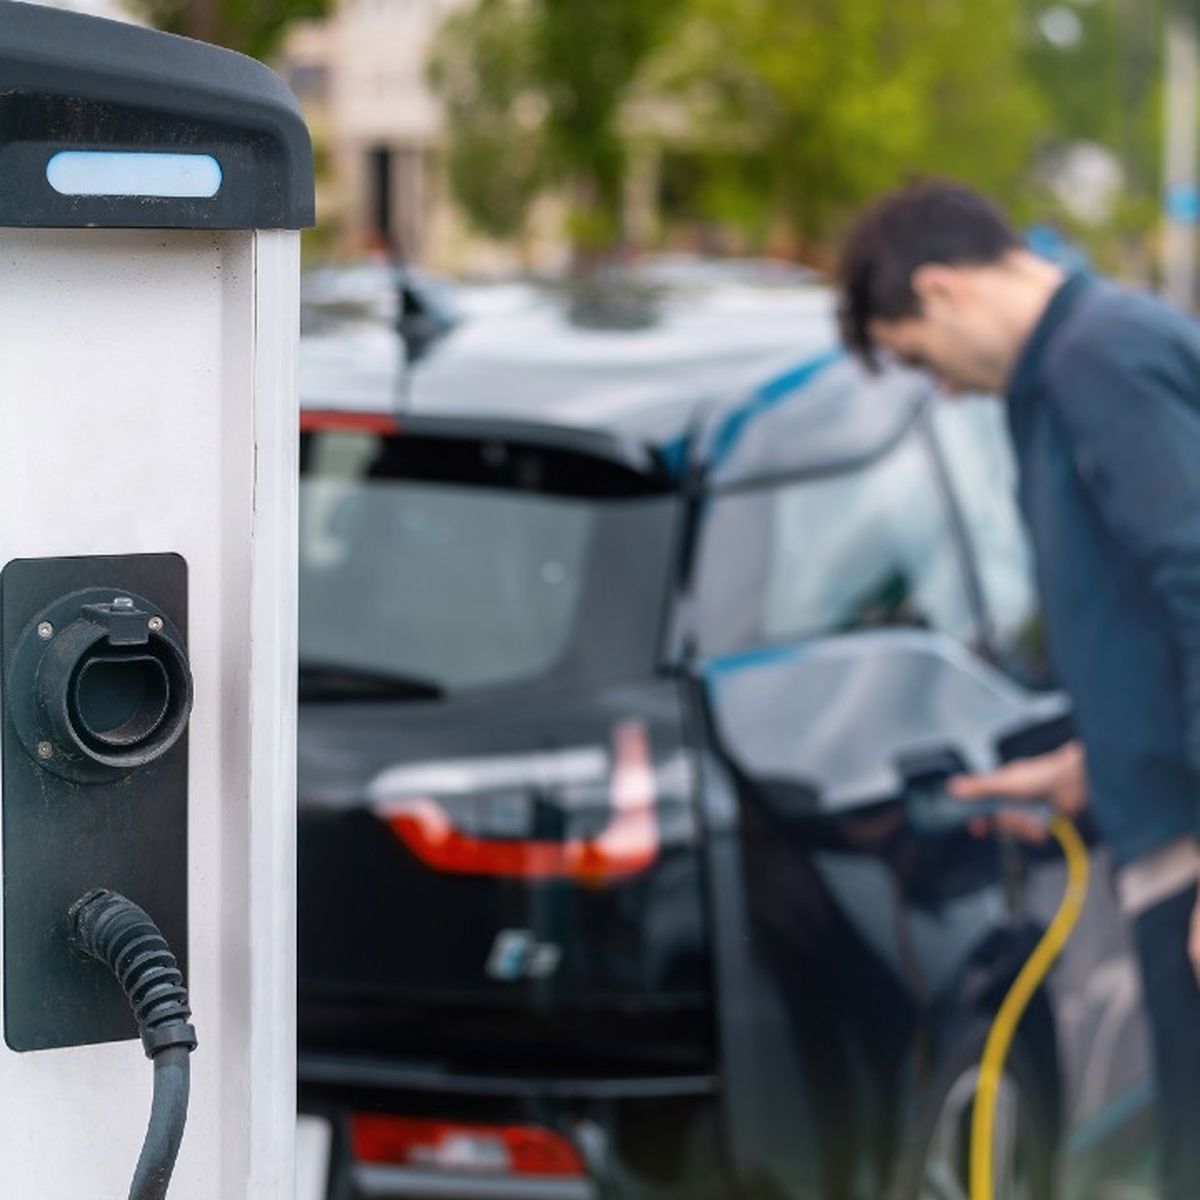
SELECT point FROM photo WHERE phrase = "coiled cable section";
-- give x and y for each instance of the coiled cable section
(108, 927)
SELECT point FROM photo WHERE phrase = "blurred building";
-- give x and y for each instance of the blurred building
(112, 10)
(378, 135)
(377, 129)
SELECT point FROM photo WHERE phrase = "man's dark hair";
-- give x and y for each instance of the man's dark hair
(928, 222)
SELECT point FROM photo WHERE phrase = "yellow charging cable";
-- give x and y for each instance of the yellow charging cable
(1004, 1028)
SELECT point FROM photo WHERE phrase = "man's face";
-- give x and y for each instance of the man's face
(954, 337)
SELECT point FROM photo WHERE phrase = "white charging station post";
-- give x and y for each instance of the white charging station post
(151, 190)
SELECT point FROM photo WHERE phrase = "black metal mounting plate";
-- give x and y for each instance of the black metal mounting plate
(63, 838)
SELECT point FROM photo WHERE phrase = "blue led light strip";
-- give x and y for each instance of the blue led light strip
(134, 173)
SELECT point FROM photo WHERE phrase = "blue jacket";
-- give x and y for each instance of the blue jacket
(1104, 409)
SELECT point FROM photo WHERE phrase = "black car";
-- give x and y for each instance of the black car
(622, 654)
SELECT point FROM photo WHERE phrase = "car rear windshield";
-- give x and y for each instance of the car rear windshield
(431, 566)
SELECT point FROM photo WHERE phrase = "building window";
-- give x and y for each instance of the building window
(866, 548)
(862, 550)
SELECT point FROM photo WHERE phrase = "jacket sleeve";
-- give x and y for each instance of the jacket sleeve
(1130, 410)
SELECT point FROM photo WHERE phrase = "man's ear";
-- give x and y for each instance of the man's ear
(936, 282)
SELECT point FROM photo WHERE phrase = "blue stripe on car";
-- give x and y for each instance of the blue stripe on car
(766, 397)
(730, 664)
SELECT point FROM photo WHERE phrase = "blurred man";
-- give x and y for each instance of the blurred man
(1102, 387)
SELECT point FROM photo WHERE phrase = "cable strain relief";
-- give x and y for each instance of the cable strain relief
(175, 1033)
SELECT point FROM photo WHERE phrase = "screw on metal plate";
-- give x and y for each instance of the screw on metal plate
(45, 630)
(155, 624)
(45, 750)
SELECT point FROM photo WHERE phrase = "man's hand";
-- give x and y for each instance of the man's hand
(1058, 778)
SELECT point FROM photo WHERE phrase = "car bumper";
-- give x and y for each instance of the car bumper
(386, 1183)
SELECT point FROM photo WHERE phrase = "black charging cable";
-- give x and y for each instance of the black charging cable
(119, 934)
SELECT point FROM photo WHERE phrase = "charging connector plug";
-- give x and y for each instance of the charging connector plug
(932, 810)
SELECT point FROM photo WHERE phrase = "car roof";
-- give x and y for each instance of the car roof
(736, 378)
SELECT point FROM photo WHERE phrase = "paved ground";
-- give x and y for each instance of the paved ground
(1137, 1183)
(1126, 1191)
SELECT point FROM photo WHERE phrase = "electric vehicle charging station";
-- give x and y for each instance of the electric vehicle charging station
(149, 251)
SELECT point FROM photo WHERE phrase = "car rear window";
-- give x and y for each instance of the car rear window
(435, 566)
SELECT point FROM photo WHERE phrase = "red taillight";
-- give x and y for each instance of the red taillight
(440, 1145)
(333, 421)
(627, 845)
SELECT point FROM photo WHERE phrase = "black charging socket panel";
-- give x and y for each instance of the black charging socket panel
(81, 809)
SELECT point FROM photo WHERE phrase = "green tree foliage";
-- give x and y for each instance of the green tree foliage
(483, 68)
(812, 106)
(1103, 85)
(534, 90)
(778, 118)
(588, 55)
(1081, 78)
(254, 27)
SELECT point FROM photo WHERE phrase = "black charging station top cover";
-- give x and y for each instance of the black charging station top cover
(70, 82)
